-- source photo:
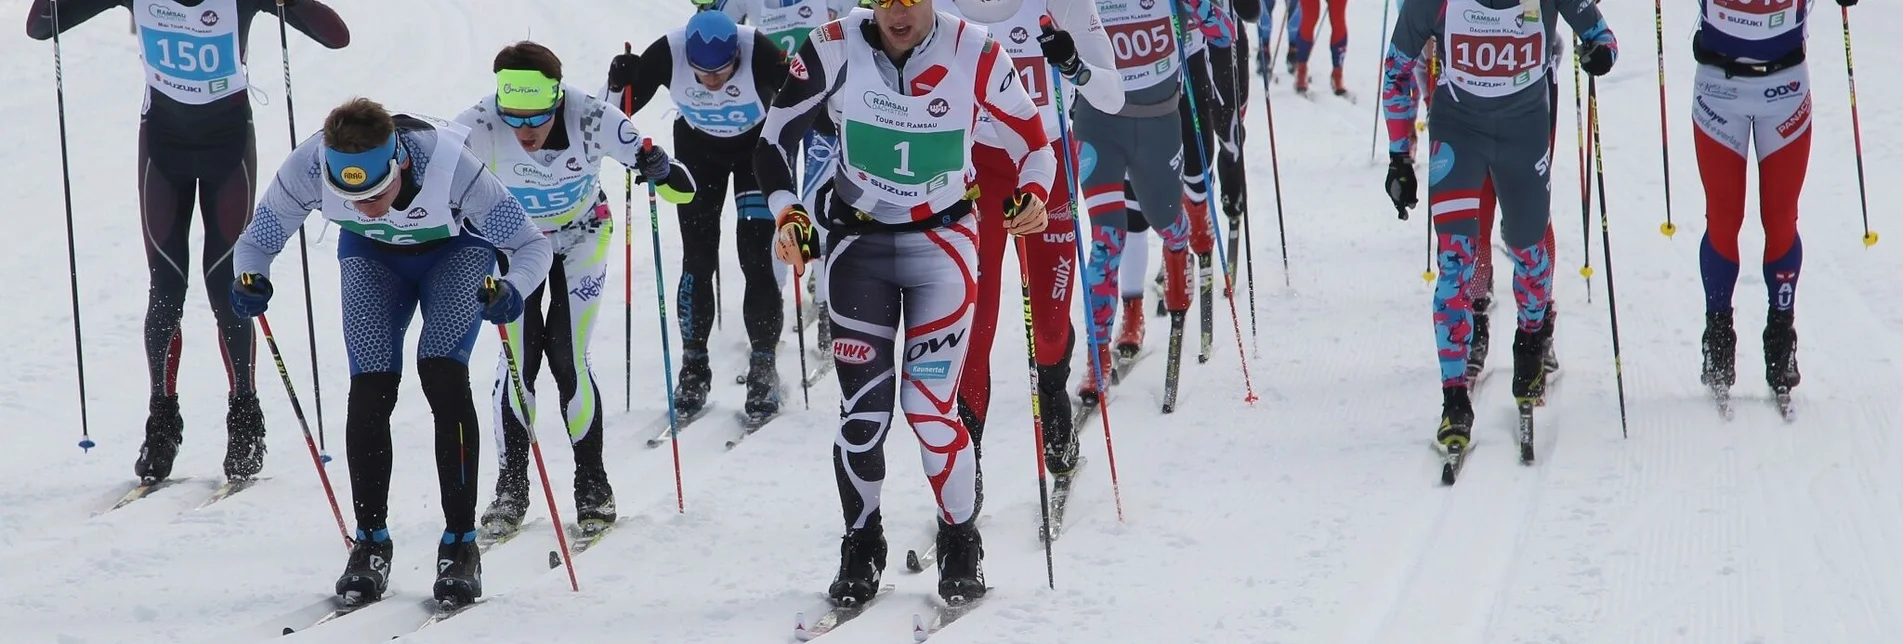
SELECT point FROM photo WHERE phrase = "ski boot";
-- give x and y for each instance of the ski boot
(1719, 371)
(1088, 391)
(594, 499)
(1156, 286)
(1060, 439)
(244, 424)
(697, 377)
(367, 572)
(458, 569)
(961, 553)
(164, 430)
(1130, 335)
(1176, 296)
(763, 386)
(1334, 82)
(511, 505)
(1456, 418)
(1299, 71)
(861, 563)
(1780, 351)
(1550, 361)
(1477, 343)
(1529, 369)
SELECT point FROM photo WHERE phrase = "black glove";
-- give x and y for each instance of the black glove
(655, 165)
(623, 71)
(292, 3)
(1403, 190)
(1061, 50)
(1847, 3)
(1596, 58)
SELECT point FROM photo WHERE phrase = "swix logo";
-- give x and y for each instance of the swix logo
(1784, 90)
(852, 351)
(934, 345)
(938, 107)
(1060, 276)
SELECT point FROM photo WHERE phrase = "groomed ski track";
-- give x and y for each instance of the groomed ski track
(1314, 517)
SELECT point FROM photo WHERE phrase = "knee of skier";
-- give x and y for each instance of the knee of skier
(445, 383)
(372, 396)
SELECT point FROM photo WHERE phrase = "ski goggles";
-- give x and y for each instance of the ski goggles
(366, 175)
(527, 90)
(532, 120)
(887, 4)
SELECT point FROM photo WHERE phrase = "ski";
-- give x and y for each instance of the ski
(1060, 498)
(1206, 284)
(581, 537)
(920, 559)
(1235, 240)
(667, 432)
(343, 606)
(1525, 406)
(442, 609)
(820, 368)
(492, 535)
(943, 614)
(1453, 459)
(142, 490)
(1785, 406)
(1721, 396)
(833, 616)
(750, 424)
(1175, 366)
(229, 488)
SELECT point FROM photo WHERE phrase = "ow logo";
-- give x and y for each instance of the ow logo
(1784, 90)
(933, 345)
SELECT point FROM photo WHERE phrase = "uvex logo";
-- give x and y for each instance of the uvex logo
(852, 351)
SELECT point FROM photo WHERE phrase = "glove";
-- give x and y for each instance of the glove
(623, 71)
(1596, 58)
(1061, 50)
(501, 303)
(654, 162)
(1403, 190)
(250, 295)
(292, 3)
(1846, 3)
(797, 242)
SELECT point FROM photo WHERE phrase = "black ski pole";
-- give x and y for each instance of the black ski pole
(72, 258)
(1275, 172)
(799, 331)
(1037, 416)
(1585, 180)
(1665, 146)
(627, 265)
(1605, 246)
(303, 248)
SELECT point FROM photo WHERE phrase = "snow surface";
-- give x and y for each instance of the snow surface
(1313, 516)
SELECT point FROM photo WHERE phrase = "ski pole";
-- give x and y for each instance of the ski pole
(1374, 132)
(1428, 274)
(1037, 412)
(1665, 146)
(1856, 129)
(72, 258)
(535, 446)
(1275, 159)
(1605, 246)
(317, 461)
(303, 248)
(1097, 367)
(1237, 84)
(667, 352)
(627, 264)
(799, 331)
(1585, 180)
(1182, 56)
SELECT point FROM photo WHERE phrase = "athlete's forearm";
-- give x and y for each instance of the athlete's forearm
(314, 19)
(39, 18)
(1020, 130)
(281, 210)
(769, 67)
(657, 66)
(794, 112)
(1104, 85)
(1399, 98)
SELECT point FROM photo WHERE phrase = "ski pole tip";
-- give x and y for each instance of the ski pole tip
(1869, 239)
(1585, 271)
(1427, 276)
(1668, 229)
(87, 444)
(324, 458)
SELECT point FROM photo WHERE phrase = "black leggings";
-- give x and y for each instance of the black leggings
(700, 246)
(222, 177)
(1231, 71)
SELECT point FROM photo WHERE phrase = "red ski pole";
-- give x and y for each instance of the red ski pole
(535, 446)
(317, 461)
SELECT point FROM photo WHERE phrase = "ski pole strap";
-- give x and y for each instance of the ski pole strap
(1734, 68)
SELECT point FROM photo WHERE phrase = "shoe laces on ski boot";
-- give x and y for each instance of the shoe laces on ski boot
(458, 568)
(1529, 369)
(861, 564)
(961, 577)
(1780, 350)
(244, 424)
(1720, 349)
(164, 431)
(1456, 416)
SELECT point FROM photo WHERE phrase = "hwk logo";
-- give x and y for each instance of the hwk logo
(851, 351)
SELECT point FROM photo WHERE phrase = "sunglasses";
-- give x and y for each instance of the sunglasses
(533, 120)
(887, 4)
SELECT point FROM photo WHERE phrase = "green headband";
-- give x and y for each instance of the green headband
(526, 89)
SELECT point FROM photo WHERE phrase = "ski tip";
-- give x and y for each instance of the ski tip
(912, 561)
(288, 630)
(918, 628)
(554, 559)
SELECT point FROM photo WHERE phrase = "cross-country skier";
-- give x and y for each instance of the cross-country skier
(196, 137)
(1752, 86)
(422, 221)
(721, 77)
(545, 140)
(1302, 29)
(1488, 125)
(1080, 51)
(1143, 141)
(906, 86)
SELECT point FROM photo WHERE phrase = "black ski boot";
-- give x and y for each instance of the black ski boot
(697, 377)
(244, 424)
(164, 430)
(458, 569)
(1780, 351)
(1551, 359)
(861, 563)
(1456, 417)
(511, 505)
(367, 572)
(1060, 439)
(763, 386)
(594, 499)
(1529, 369)
(1719, 371)
(961, 553)
(1477, 343)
